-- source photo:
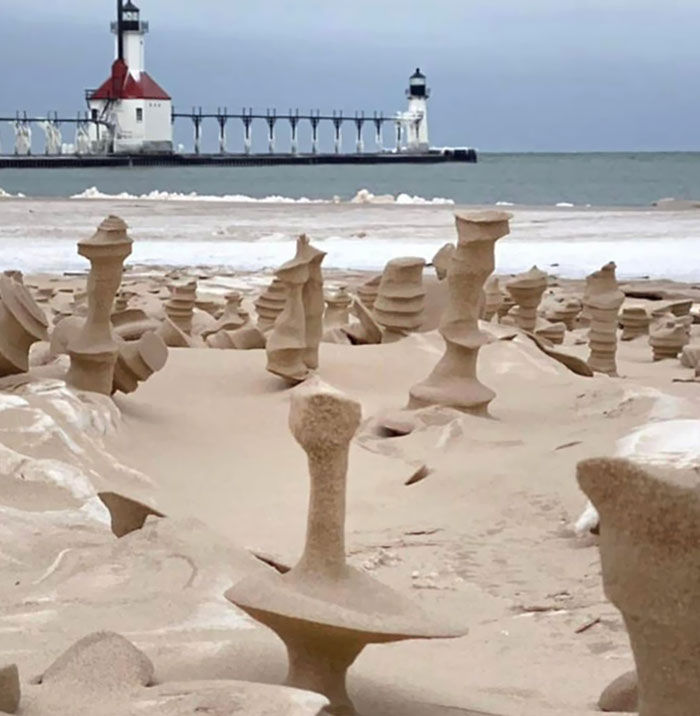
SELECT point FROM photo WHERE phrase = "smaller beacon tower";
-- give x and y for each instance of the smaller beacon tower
(416, 118)
(137, 108)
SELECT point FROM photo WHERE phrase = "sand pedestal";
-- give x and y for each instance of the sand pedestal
(367, 291)
(400, 301)
(602, 300)
(453, 382)
(552, 332)
(325, 611)
(93, 352)
(668, 338)
(649, 536)
(292, 346)
(179, 308)
(564, 311)
(270, 304)
(527, 289)
(338, 305)
(22, 323)
(635, 322)
(493, 298)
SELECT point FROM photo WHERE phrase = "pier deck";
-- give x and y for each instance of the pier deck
(241, 160)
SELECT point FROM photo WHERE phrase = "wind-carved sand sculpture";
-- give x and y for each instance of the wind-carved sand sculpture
(22, 323)
(368, 291)
(602, 300)
(179, 308)
(93, 352)
(635, 322)
(400, 303)
(292, 346)
(137, 361)
(668, 337)
(338, 305)
(453, 382)
(10, 692)
(527, 289)
(492, 298)
(324, 610)
(566, 311)
(270, 304)
(649, 536)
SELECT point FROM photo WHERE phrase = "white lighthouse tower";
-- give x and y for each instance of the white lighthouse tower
(414, 122)
(130, 101)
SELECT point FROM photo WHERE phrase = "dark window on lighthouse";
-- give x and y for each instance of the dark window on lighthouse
(139, 114)
(94, 115)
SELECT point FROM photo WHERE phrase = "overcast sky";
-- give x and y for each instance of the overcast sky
(506, 75)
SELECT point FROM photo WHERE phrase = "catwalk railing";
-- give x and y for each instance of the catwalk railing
(406, 130)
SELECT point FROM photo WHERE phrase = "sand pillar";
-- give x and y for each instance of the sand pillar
(602, 300)
(93, 352)
(453, 382)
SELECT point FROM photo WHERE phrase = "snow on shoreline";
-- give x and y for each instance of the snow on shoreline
(363, 196)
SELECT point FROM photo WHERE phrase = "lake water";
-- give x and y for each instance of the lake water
(603, 179)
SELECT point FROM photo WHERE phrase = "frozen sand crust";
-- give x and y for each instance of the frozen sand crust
(358, 236)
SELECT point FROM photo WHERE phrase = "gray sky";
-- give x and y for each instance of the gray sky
(506, 75)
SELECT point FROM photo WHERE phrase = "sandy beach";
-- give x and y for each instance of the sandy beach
(486, 536)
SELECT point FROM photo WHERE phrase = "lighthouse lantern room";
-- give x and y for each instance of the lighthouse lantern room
(130, 101)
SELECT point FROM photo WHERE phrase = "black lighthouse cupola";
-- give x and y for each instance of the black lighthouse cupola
(417, 86)
(131, 18)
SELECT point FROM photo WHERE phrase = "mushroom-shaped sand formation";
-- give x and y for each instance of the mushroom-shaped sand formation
(325, 611)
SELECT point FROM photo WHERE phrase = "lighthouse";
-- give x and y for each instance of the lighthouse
(135, 110)
(412, 125)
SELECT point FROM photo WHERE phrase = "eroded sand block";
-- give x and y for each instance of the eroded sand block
(690, 356)
(121, 300)
(14, 274)
(338, 305)
(137, 361)
(635, 322)
(400, 302)
(232, 318)
(93, 352)
(270, 304)
(367, 331)
(292, 346)
(552, 332)
(100, 661)
(668, 338)
(493, 297)
(602, 300)
(126, 515)
(179, 308)
(526, 290)
(564, 310)
(325, 611)
(507, 305)
(367, 291)
(622, 695)
(441, 260)
(243, 339)
(172, 336)
(10, 692)
(649, 536)
(22, 323)
(453, 382)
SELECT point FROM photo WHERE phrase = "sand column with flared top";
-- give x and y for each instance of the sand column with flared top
(453, 381)
(527, 289)
(93, 352)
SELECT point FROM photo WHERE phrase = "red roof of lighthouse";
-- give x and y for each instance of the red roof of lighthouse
(123, 85)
